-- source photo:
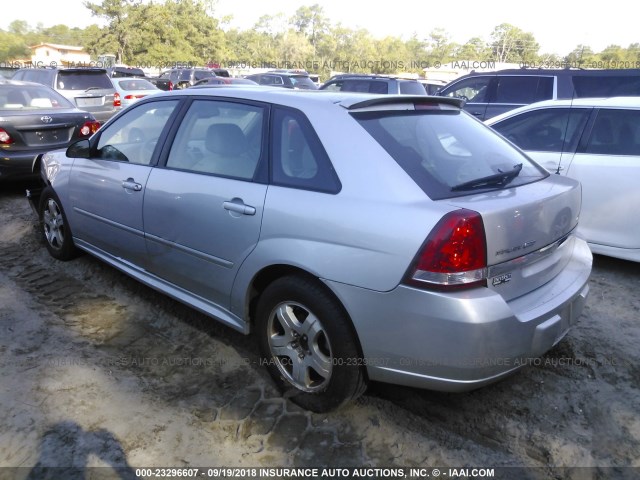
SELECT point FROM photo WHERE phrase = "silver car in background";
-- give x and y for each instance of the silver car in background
(359, 237)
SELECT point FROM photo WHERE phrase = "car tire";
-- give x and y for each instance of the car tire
(308, 344)
(55, 228)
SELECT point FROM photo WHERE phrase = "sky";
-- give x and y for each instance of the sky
(558, 26)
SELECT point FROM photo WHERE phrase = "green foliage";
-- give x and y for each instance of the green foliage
(164, 32)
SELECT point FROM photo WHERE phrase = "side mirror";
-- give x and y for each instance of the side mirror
(80, 149)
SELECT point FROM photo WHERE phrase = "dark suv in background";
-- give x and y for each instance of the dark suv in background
(488, 94)
(179, 78)
(89, 89)
(373, 84)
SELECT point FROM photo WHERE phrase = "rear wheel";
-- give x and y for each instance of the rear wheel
(308, 344)
(55, 229)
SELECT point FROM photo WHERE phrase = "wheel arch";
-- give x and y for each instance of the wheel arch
(271, 273)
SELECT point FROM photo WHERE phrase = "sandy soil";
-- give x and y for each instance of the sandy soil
(98, 370)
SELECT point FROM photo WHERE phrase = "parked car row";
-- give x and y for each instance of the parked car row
(562, 142)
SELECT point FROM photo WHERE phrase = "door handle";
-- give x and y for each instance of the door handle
(238, 206)
(130, 184)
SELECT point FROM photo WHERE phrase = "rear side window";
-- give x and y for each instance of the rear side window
(298, 158)
(446, 152)
(606, 86)
(79, 80)
(546, 130)
(615, 132)
(523, 89)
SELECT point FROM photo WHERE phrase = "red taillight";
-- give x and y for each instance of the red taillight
(116, 100)
(131, 97)
(170, 85)
(454, 254)
(5, 138)
(89, 128)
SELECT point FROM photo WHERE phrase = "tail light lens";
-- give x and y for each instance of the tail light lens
(5, 138)
(170, 85)
(454, 255)
(89, 128)
(116, 100)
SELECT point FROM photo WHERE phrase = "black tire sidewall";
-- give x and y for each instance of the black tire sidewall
(68, 250)
(347, 375)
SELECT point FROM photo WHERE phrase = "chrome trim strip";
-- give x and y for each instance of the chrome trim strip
(111, 223)
(190, 251)
(528, 259)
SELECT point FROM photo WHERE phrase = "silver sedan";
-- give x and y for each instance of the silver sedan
(360, 237)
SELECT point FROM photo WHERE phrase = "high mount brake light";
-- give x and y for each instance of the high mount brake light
(454, 254)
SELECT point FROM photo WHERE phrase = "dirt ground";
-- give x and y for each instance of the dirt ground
(98, 370)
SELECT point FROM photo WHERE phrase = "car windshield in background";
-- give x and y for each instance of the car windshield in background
(30, 97)
(79, 80)
(303, 81)
(447, 153)
(411, 88)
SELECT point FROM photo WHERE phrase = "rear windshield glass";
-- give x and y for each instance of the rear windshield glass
(13, 97)
(448, 153)
(137, 84)
(77, 80)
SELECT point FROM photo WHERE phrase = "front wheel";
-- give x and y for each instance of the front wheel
(308, 344)
(55, 229)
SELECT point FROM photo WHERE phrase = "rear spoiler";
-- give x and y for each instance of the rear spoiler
(354, 104)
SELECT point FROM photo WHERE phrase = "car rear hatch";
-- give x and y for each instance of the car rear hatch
(524, 215)
(89, 89)
(528, 232)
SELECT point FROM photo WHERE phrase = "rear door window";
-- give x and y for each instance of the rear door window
(523, 89)
(546, 130)
(219, 138)
(615, 132)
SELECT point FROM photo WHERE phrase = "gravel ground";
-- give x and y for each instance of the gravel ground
(98, 370)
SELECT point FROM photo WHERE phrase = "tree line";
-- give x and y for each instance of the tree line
(189, 31)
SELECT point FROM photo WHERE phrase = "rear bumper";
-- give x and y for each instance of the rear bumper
(463, 340)
(18, 165)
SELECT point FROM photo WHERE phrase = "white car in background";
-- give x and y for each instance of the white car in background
(132, 89)
(595, 141)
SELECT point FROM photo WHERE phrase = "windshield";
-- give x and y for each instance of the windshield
(303, 82)
(448, 153)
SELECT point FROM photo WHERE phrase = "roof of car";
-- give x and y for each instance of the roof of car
(19, 83)
(611, 102)
(299, 98)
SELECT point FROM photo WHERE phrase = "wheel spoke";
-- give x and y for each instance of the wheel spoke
(311, 326)
(287, 318)
(319, 362)
(299, 373)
